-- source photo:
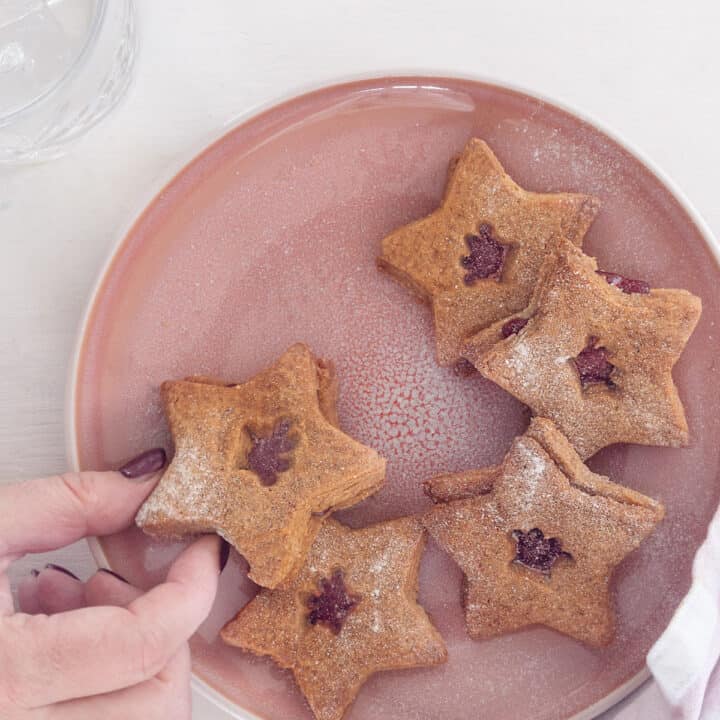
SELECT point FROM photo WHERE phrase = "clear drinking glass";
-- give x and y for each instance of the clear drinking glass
(64, 64)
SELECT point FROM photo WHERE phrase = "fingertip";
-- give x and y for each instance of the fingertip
(27, 594)
(118, 499)
(224, 554)
(142, 467)
(61, 569)
(58, 590)
(203, 554)
(106, 587)
(177, 607)
(52, 512)
(112, 573)
(197, 568)
(140, 486)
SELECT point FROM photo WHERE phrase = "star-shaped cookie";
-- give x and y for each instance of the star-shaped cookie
(351, 611)
(260, 463)
(595, 355)
(541, 546)
(477, 257)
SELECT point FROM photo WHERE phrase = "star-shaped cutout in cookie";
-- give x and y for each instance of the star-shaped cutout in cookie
(541, 546)
(595, 355)
(260, 463)
(351, 611)
(476, 259)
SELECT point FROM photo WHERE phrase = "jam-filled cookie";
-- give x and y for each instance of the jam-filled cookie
(477, 257)
(260, 463)
(540, 547)
(594, 352)
(350, 612)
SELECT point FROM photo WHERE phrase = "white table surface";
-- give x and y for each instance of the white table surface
(648, 69)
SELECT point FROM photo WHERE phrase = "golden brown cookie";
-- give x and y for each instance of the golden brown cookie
(477, 257)
(350, 612)
(461, 485)
(595, 355)
(540, 548)
(260, 463)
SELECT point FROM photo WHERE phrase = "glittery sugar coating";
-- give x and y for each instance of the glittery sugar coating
(494, 535)
(587, 337)
(486, 258)
(372, 623)
(627, 285)
(593, 365)
(485, 212)
(268, 455)
(537, 552)
(333, 603)
(260, 462)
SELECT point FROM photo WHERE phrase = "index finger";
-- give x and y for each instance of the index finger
(49, 659)
(42, 515)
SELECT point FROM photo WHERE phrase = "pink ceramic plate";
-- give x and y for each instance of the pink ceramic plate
(270, 236)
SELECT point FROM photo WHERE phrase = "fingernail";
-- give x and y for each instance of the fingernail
(34, 572)
(59, 568)
(114, 574)
(224, 554)
(144, 464)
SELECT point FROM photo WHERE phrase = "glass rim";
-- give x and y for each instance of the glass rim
(90, 40)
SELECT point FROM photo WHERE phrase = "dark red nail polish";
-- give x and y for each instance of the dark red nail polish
(34, 572)
(224, 554)
(60, 568)
(114, 574)
(148, 462)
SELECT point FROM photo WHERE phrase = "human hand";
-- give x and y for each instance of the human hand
(100, 649)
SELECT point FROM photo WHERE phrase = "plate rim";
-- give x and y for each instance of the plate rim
(209, 139)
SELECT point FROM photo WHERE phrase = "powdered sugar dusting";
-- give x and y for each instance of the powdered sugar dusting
(189, 491)
(536, 464)
(534, 467)
(525, 363)
(258, 247)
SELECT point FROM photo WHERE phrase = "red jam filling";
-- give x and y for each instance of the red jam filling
(268, 454)
(627, 285)
(486, 258)
(333, 603)
(537, 552)
(513, 327)
(593, 365)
